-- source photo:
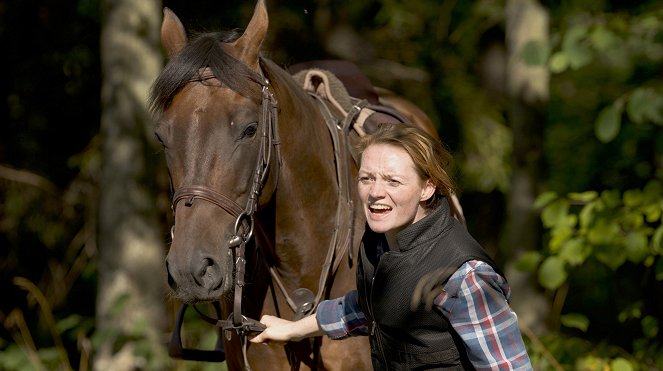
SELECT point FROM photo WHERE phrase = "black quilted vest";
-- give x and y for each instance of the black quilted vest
(420, 339)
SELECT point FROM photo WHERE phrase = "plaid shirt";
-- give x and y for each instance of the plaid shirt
(474, 300)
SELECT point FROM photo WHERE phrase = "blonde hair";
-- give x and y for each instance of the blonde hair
(431, 159)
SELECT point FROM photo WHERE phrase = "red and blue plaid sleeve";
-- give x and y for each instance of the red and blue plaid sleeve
(475, 300)
(342, 317)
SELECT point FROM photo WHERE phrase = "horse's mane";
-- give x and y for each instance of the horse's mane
(205, 50)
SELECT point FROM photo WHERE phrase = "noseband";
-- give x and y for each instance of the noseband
(243, 231)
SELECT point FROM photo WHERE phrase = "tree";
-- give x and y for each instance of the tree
(130, 299)
(527, 89)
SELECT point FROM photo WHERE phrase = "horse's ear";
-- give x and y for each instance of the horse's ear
(248, 45)
(173, 35)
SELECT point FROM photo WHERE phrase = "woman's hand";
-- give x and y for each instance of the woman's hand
(278, 329)
(282, 330)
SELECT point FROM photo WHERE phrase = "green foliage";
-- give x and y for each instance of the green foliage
(611, 227)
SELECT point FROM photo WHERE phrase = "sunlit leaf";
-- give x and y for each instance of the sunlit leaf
(552, 273)
(529, 261)
(608, 124)
(574, 251)
(604, 232)
(544, 198)
(559, 62)
(636, 246)
(555, 212)
(621, 364)
(632, 311)
(586, 215)
(583, 196)
(575, 320)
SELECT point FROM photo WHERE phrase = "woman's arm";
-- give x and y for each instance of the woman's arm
(337, 318)
(475, 300)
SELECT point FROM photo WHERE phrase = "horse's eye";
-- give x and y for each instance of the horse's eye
(250, 130)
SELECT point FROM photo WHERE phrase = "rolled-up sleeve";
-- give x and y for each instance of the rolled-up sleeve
(342, 317)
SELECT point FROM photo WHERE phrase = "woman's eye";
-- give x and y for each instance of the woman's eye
(364, 179)
(250, 131)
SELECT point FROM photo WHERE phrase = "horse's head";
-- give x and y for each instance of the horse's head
(216, 137)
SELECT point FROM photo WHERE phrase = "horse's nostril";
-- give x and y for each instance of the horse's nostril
(171, 280)
(208, 274)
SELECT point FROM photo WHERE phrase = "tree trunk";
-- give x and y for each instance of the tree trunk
(130, 300)
(527, 86)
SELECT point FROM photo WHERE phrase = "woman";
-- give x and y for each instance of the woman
(413, 244)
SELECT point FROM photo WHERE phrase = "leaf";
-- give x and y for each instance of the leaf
(552, 273)
(611, 255)
(608, 124)
(575, 48)
(645, 104)
(529, 261)
(633, 198)
(535, 53)
(586, 215)
(575, 320)
(559, 62)
(656, 239)
(555, 213)
(544, 199)
(603, 39)
(650, 326)
(574, 251)
(583, 197)
(621, 364)
(636, 247)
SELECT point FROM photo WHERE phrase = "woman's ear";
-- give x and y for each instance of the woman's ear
(428, 191)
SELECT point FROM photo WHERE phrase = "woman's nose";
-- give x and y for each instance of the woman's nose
(376, 190)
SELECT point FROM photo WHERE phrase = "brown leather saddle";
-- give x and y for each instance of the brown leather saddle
(358, 88)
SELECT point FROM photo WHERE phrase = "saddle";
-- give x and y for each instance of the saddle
(345, 86)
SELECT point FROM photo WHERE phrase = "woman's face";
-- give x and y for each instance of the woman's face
(391, 191)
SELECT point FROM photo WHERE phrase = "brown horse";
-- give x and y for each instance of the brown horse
(257, 190)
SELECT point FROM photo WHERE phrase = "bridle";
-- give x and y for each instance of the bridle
(301, 301)
(243, 231)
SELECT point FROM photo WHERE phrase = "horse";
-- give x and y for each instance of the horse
(264, 219)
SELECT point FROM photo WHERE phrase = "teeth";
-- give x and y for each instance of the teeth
(380, 207)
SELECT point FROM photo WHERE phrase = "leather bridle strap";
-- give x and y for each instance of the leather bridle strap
(192, 192)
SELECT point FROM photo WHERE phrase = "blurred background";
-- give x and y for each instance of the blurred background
(552, 110)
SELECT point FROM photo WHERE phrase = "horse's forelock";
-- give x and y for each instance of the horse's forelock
(205, 50)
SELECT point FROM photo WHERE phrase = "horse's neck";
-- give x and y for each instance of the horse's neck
(306, 196)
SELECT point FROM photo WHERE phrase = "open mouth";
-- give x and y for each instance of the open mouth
(379, 209)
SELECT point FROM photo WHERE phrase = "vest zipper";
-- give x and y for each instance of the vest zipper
(374, 323)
